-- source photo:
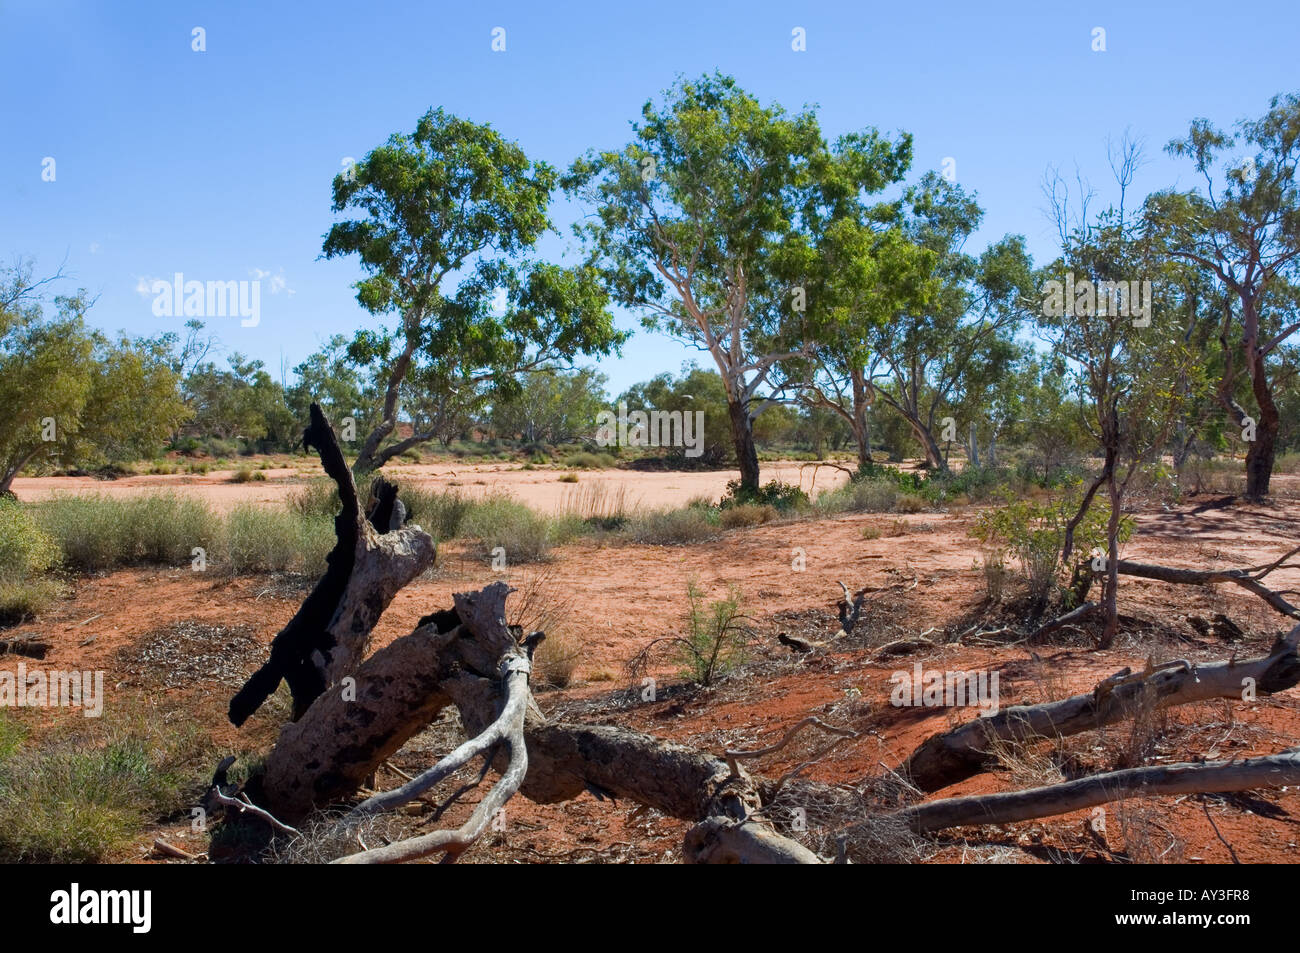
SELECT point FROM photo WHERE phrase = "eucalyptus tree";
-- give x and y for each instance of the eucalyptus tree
(1131, 368)
(693, 225)
(72, 394)
(448, 215)
(956, 339)
(1243, 227)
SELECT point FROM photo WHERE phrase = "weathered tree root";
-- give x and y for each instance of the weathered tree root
(953, 756)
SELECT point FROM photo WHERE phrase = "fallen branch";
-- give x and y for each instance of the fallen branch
(1185, 778)
(953, 756)
(1073, 617)
(812, 720)
(1202, 577)
(29, 647)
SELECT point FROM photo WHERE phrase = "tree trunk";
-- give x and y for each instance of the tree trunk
(465, 657)
(933, 453)
(1259, 458)
(862, 422)
(329, 634)
(742, 434)
(1110, 599)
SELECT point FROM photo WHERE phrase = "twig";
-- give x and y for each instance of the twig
(734, 756)
(248, 806)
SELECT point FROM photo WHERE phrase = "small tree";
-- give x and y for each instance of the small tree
(71, 394)
(1132, 372)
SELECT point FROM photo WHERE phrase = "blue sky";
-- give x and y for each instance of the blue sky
(218, 164)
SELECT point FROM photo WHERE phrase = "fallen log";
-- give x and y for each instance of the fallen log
(340, 741)
(1185, 778)
(952, 756)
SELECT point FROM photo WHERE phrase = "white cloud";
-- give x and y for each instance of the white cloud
(278, 281)
(144, 285)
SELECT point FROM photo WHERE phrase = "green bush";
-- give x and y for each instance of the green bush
(320, 497)
(694, 524)
(977, 484)
(588, 461)
(25, 549)
(716, 637)
(501, 521)
(79, 800)
(247, 475)
(867, 495)
(1034, 532)
(440, 513)
(264, 539)
(97, 532)
(783, 496)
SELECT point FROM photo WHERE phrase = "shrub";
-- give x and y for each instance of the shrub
(501, 521)
(320, 497)
(716, 638)
(556, 660)
(994, 564)
(782, 496)
(22, 599)
(246, 475)
(869, 495)
(101, 532)
(597, 505)
(79, 801)
(747, 514)
(588, 461)
(1034, 532)
(1200, 475)
(441, 513)
(693, 524)
(910, 503)
(25, 549)
(264, 539)
(569, 478)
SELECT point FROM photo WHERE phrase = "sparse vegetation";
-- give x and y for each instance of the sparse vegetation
(82, 797)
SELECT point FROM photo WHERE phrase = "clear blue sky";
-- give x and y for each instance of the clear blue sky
(218, 164)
